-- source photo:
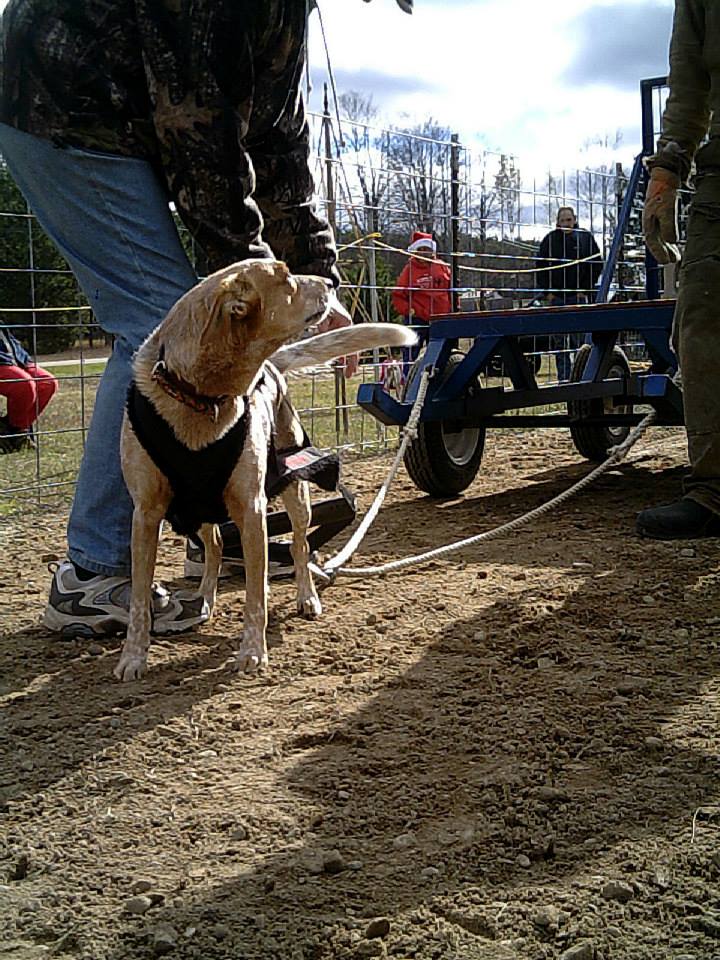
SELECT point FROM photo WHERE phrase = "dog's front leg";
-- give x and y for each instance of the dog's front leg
(251, 521)
(145, 534)
(296, 498)
(210, 536)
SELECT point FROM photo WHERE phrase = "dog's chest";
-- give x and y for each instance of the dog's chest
(198, 478)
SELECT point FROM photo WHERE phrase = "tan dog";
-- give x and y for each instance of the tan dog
(210, 352)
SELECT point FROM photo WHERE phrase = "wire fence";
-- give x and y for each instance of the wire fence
(487, 212)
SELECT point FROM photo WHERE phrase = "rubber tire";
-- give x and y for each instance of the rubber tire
(593, 441)
(428, 461)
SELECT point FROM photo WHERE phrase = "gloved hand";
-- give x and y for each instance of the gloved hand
(659, 219)
(405, 5)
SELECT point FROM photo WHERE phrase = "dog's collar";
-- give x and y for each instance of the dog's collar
(179, 389)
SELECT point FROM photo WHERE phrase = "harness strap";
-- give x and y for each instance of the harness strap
(197, 477)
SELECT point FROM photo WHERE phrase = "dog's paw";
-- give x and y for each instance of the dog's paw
(131, 666)
(250, 659)
(309, 607)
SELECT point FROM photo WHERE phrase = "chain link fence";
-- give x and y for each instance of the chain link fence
(487, 211)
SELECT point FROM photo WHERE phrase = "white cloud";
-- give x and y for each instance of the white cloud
(500, 70)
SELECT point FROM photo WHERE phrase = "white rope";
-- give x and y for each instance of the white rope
(334, 567)
(409, 433)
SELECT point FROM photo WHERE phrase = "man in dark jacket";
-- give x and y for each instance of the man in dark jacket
(570, 284)
(109, 109)
(692, 112)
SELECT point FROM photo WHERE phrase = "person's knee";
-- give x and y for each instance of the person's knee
(696, 334)
(25, 392)
(46, 385)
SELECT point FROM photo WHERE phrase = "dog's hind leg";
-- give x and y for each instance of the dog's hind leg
(296, 498)
(210, 536)
(145, 534)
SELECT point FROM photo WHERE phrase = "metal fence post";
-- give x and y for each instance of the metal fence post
(370, 223)
(329, 183)
(647, 87)
(455, 218)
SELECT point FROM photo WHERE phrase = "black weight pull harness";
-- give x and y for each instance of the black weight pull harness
(198, 478)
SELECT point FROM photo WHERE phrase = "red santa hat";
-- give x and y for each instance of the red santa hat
(422, 241)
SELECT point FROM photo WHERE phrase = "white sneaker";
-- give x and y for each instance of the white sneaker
(99, 607)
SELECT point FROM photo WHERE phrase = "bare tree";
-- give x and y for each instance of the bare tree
(507, 190)
(364, 153)
(419, 159)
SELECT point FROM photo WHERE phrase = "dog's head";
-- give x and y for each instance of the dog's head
(257, 305)
(219, 333)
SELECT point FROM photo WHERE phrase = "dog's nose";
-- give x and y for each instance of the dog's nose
(329, 284)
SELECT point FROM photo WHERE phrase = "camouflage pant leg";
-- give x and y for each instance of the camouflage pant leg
(696, 338)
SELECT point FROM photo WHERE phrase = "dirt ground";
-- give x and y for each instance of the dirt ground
(509, 754)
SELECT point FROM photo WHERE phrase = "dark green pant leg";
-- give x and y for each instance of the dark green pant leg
(697, 342)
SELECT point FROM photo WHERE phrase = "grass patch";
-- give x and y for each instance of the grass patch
(45, 478)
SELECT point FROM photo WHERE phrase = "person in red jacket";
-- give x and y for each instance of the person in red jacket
(423, 290)
(27, 388)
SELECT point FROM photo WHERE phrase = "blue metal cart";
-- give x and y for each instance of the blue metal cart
(603, 392)
(600, 399)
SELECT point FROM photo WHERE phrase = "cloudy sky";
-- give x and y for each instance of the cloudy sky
(537, 78)
(533, 78)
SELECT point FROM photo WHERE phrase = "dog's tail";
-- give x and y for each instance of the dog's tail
(340, 343)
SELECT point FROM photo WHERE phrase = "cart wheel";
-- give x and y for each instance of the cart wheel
(443, 461)
(594, 441)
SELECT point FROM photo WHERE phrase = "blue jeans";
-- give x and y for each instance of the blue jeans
(109, 217)
(410, 354)
(565, 344)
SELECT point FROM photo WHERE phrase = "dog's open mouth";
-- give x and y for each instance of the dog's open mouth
(314, 320)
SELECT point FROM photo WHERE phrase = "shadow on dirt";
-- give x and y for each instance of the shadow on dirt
(529, 740)
(474, 782)
(48, 675)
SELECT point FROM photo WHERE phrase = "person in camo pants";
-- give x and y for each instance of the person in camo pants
(691, 113)
(109, 109)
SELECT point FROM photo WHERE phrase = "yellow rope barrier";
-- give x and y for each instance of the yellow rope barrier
(558, 266)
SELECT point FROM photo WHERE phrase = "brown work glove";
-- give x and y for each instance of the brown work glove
(660, 215)
(406, 5)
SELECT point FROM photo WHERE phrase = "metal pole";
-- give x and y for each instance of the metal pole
(329, 183)
(371, 220)
(620, 187)
(455, 218)
(652, 271)
(623, 220)
(341, 409)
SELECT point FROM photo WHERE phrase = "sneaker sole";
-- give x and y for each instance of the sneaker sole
(93, 628)
(160, 628)
(87, 629)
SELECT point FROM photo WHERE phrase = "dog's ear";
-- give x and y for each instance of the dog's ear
(235, 297)
(232, 299)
